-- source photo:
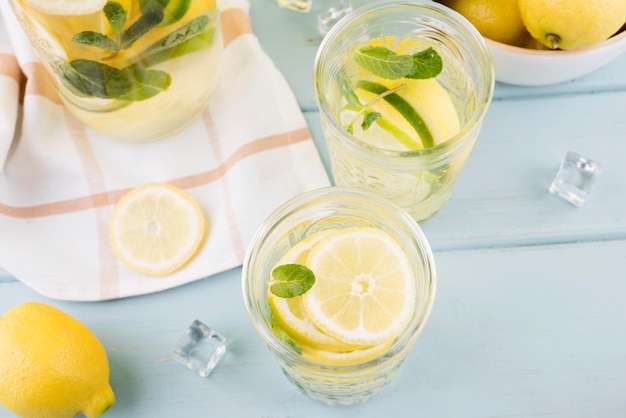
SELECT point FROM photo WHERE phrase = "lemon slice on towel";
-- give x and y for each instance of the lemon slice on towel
(156, 228)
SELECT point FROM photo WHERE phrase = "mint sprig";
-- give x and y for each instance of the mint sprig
(387, 64)
(291, 280)
(134, 82)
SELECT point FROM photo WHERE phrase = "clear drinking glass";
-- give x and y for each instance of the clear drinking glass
(420, 179)
(308, 214)
(137, 70)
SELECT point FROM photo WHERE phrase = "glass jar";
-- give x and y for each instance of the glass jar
(311, 214)
(420, 179)
(136, 70)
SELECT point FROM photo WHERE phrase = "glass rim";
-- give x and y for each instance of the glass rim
(401, 343)
(484, 96)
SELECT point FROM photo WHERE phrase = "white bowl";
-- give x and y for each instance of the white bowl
(529, 67)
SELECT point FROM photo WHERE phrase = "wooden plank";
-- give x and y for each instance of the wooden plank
(514, 332)
(502, 194)
(291, 39)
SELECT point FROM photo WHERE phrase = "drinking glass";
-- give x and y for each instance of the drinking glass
(137, 70)
(311, 213)
(419, 180)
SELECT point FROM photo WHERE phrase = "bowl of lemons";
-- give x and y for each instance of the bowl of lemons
(538, 42)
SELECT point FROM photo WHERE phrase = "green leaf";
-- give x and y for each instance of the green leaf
(290, 280)
(95, 79)
(116, 15)
(140, 27)
(369, 118)
(184, 33)
(384, 63)
(197, 43)
(428, 64)
(95, 39)
(146, 83)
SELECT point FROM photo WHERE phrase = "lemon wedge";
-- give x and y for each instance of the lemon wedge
(156, 228)
(364, 291)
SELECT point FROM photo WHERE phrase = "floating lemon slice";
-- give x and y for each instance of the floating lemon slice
(364, 291)
(156, 228)
(67, 7)
(289, 313)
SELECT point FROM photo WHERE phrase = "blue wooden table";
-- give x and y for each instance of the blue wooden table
(529, 320)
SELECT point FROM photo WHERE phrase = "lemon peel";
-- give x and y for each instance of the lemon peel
(498, 20)
(572, 24)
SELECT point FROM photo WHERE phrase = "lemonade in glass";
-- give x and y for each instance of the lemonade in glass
(136, 70)
(402, 90)
(339, 283)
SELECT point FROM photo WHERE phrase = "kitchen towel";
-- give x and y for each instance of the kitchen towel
(248, 152)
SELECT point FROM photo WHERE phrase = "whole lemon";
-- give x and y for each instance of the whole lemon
(51, 365)
(498, 20)
(572, 24)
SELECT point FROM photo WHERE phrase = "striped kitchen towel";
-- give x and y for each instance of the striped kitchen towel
(249, 151)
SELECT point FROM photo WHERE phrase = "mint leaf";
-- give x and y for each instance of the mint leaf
(146, 83)
(187, 31)
(384, 63)
(140, 27)
(290, 280)
(345, 87)
(92, 78)
(369, 118)
(116, 15)
(428, 64)
(96, 39)
(197, 43)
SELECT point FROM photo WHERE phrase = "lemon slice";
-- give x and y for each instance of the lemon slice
(156, 228)
(348, 357)
(364, 291)
(289, 313)
(67, 7)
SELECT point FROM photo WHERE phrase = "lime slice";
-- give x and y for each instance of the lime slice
(173, 10)
(420, 109)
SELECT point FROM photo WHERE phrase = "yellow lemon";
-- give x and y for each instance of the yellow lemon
(364, 291)
(156, 228)
(289, 313)
(51, 365)
(572, 24)
(498, 20)
(427, 111)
